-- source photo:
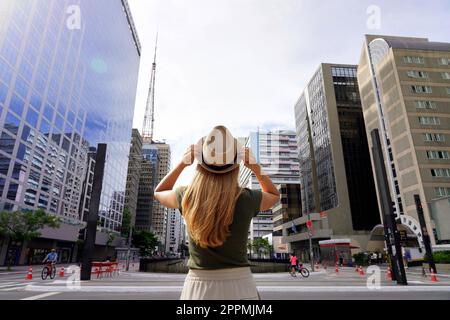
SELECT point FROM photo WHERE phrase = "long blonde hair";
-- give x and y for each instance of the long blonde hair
(208, 206)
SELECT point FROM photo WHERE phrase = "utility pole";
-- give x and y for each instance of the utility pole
(392, 235)
(311, 252)
(91, 228)
(425, 235)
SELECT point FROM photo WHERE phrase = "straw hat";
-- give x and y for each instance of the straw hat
(219, 151)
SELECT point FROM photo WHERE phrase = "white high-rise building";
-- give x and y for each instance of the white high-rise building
(276, 152)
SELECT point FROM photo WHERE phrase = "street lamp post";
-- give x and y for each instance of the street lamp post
(311, 252)
(129, 247)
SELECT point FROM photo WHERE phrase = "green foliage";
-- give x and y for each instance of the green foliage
(361, 258)
(260, 245)
(441, 256)
(24, 226)
(126, 222)
(146, 242)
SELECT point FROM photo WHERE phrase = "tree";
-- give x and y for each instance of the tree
(261, 245)
(126, 222)
(24, 226)
(146, 242)
(111, 237)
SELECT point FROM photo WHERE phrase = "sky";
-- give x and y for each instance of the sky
(244, 63)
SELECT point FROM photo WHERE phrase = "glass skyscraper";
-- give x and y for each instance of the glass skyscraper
(68, 76)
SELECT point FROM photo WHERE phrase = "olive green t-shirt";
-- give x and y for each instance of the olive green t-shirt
(233, 252)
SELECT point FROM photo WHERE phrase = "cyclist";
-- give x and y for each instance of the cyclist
(51, 259)
(293, 260)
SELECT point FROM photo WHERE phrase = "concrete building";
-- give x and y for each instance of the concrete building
(440, 209)
(55, 105)
(405, 92)
(174, 231)
(336, 173)
(276, 152)
(135, 160)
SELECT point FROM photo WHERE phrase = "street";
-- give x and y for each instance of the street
(133, 285)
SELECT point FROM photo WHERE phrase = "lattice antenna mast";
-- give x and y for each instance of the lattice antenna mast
(149, 119)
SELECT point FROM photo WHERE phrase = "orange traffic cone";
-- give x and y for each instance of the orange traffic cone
(337, 268)
(356, 269)
(29, 274)
(61, 272)
(389, 274)
(361, 271)
(433, 276)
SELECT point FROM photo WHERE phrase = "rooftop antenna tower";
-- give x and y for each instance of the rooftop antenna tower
(149, 119)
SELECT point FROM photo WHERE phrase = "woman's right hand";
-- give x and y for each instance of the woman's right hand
(250, 160)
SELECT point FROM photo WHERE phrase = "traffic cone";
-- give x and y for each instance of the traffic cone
(356, 269)
(337, 268)
(361, 271)
(61, 272)
(389, 274)
(29, 274)
(433, 276)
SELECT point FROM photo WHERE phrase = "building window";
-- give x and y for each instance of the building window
(444, 61)
(409, 59)
(442, 191)
(440, 172)
(433, 154)
(421, 89)
(425, 104)
(429, 120)
(448, 90)
(434, 137)
(417, 74)
(445, 75)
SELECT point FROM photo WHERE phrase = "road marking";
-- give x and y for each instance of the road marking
(15, 284)
(39, 296)
(138, 289)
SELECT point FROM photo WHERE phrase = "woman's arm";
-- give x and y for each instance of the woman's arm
(163, 191)
(270, 194)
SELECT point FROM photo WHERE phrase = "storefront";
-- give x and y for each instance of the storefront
(337, 251)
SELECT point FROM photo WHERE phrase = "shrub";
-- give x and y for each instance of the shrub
(442, 256)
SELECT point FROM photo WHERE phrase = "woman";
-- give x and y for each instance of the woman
(217, 213)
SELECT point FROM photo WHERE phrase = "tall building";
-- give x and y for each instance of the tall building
(64, 88)
(174, 231)
(135, 160)
(144, 203)
(336, 173)
(276, 152)
(405, 94)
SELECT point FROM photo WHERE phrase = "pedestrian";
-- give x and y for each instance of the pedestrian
(217, 212)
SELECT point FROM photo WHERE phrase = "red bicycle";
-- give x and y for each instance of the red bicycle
(48, 270)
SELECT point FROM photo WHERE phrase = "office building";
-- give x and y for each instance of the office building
(135, 160)
(336, 173)
(277, 154)
(64, 88)
(405, 93)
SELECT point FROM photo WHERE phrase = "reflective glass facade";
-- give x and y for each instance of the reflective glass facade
(65, 87)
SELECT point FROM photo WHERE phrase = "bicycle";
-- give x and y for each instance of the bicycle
(302, 270)
(48, 270)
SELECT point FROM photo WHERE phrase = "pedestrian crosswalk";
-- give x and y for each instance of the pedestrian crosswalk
(12, 286)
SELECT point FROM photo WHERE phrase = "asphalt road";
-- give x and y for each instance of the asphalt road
(345, 285)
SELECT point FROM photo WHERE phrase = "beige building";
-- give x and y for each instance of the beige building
(405, 92)
(134, 170)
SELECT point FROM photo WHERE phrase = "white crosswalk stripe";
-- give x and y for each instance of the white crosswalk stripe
(10, 286)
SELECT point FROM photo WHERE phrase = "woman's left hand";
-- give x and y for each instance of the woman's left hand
(190, 155)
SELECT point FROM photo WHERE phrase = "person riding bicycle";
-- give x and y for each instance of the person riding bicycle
(51, 258)
(293, 260)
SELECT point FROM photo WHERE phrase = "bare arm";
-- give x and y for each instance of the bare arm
(163, 191)
(270, 194)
